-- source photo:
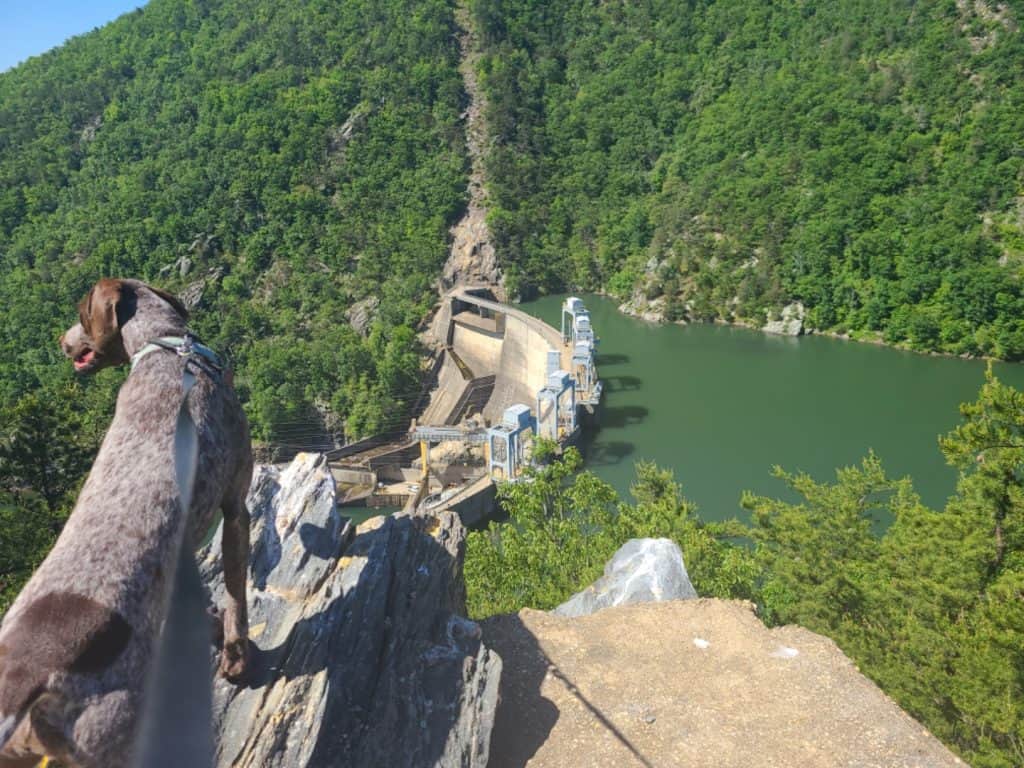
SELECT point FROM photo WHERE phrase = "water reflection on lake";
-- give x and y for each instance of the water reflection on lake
(721, 406)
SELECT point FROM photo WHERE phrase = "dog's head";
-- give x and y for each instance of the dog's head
(95, 341)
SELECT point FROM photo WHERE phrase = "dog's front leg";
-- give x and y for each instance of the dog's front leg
(235, 554)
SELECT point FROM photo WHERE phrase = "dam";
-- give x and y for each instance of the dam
(499, 379)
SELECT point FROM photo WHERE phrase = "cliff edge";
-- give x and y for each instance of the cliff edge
(362, 657)
(690, 683)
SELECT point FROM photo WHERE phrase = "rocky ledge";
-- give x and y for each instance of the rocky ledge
(690, 683)
(361, 656)
(790, 321)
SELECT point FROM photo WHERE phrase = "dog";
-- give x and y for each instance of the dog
(76, 644)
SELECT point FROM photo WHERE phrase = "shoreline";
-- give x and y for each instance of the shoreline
(655, 318)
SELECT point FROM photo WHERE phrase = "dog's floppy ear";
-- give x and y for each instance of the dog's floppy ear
(84, 308)
(98, 310)
(172, 300)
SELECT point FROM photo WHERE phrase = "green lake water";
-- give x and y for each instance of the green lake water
(720, 406)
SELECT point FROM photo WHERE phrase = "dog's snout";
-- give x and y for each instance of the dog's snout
(67, 343)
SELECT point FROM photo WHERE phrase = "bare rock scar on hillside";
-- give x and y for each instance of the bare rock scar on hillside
(472, 259)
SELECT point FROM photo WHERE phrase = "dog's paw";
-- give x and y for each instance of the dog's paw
(234, 660)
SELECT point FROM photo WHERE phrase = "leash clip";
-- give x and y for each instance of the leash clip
(185, 350)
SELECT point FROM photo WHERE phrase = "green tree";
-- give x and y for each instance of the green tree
(46, 446)
(932, 609)
(556, 539)
(816, 551)
(988, 448)
(833, 157)
(28, 533)
(563, 528)
(283, 161)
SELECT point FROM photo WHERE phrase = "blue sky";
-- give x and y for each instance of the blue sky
(30, 27)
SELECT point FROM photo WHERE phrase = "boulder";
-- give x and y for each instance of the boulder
(642, 571)
(790, 323)
(651, 311)
(361, 314)
(360, 653)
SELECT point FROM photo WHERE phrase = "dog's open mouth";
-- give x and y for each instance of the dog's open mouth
(84, 360)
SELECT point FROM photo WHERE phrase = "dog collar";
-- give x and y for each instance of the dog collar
(184, 346)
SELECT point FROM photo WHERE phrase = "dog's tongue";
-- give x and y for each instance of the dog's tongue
(84, 359)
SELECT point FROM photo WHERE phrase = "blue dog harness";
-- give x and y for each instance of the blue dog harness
(186, 346)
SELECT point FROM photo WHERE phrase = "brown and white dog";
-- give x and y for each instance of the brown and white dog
(76, 644)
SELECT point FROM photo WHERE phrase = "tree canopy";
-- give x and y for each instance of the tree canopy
(276, 162)
(862, 157)
(281, 160)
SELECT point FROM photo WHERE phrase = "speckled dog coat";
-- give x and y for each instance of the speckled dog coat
(76, 644)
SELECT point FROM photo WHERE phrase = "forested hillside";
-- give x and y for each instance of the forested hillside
(863, 157)
(279, 163)
(292, 167)
(288, 159)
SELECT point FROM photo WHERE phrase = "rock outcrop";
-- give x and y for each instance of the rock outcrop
(472, 259)
(652, 311)
(789, 323)
(360, 652)
(361, 657)
(690, 683)
(361, 314)
(641, 571)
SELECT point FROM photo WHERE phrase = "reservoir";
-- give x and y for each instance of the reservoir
(720, 406)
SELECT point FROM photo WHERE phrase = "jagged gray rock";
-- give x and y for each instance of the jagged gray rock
(362, 313)
(338, 139)
(472, 259)
(641, 571)
(192, 294)
(361, 656)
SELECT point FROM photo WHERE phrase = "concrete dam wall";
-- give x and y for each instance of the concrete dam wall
(499, 377)
(522, 367)
(484, 338)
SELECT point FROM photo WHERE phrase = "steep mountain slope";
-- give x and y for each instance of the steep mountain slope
(281, 160)
(863, 157)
